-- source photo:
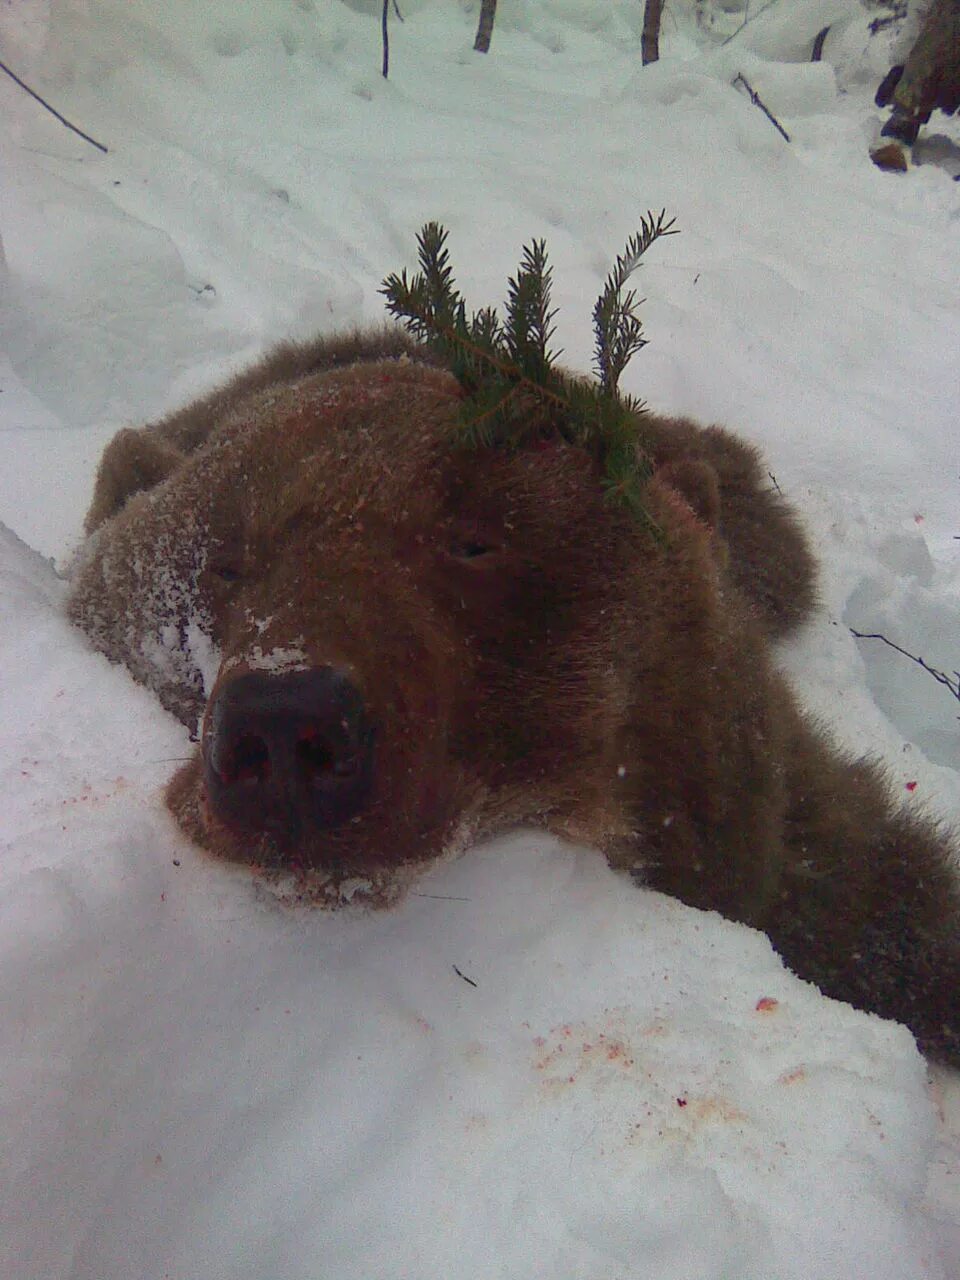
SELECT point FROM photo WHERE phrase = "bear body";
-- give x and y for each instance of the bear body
(389, 645)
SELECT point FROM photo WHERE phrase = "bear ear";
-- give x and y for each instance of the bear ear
(696, 482)
(132, 462)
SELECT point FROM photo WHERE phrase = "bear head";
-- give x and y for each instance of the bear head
(387, 643)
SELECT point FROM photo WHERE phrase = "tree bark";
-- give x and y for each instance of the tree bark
(488, 11)
(650, 42)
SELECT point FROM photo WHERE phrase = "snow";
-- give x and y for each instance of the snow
(528, 1067)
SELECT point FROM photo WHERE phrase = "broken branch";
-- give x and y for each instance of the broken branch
(940, 676)
(757, 102)
(63, 120)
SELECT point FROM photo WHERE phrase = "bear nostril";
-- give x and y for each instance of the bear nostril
(248, 763)
(288, 754)
(315, 757)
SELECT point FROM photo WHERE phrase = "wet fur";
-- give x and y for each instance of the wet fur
(577, 674)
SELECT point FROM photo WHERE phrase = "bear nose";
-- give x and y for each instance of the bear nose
(286, 753)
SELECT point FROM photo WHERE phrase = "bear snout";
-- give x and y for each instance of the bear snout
(287, 754)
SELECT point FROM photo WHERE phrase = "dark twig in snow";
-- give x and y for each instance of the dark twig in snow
(63, 120)
(463, 976)
(488, 13)
(755, 99)
(940, 676)
(750, 17)
(384, 23)
(441, 897)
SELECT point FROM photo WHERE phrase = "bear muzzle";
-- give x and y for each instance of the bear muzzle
(287, 754)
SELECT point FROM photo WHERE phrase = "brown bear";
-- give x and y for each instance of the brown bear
(390, 645)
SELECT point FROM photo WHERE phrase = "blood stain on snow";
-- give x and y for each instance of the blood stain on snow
(793, 1077)
(571, 1051)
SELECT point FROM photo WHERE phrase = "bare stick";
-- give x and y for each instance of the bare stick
(750, 17)
(488, 11)
(940, 676)
(385, 66)
(63, 120)
(755, 99)
(650, 40)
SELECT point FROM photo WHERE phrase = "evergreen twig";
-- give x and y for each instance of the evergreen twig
(530, 320)
(618, 329)
(507, 368)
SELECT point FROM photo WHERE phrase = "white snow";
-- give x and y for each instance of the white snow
(528, 1067)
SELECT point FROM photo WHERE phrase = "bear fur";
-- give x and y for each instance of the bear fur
(390, 645)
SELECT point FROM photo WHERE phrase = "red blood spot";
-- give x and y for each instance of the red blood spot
(766, 1004)
(918, 519)
(911, 786)
(793, 1077)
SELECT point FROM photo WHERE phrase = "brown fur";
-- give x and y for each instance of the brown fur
(525, 650)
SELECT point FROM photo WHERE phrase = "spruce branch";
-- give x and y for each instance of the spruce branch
(618, 328)
(478, 349)
(436, 271)
(507, 367)
(529, 318)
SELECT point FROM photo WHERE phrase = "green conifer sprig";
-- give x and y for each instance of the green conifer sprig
(618, 328)
(507, 368)
(529, 317)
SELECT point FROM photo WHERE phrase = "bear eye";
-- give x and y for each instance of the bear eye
(472, 539)
(226, 570)
(471, 549)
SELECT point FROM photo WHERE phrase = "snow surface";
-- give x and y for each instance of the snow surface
(528, 1068)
